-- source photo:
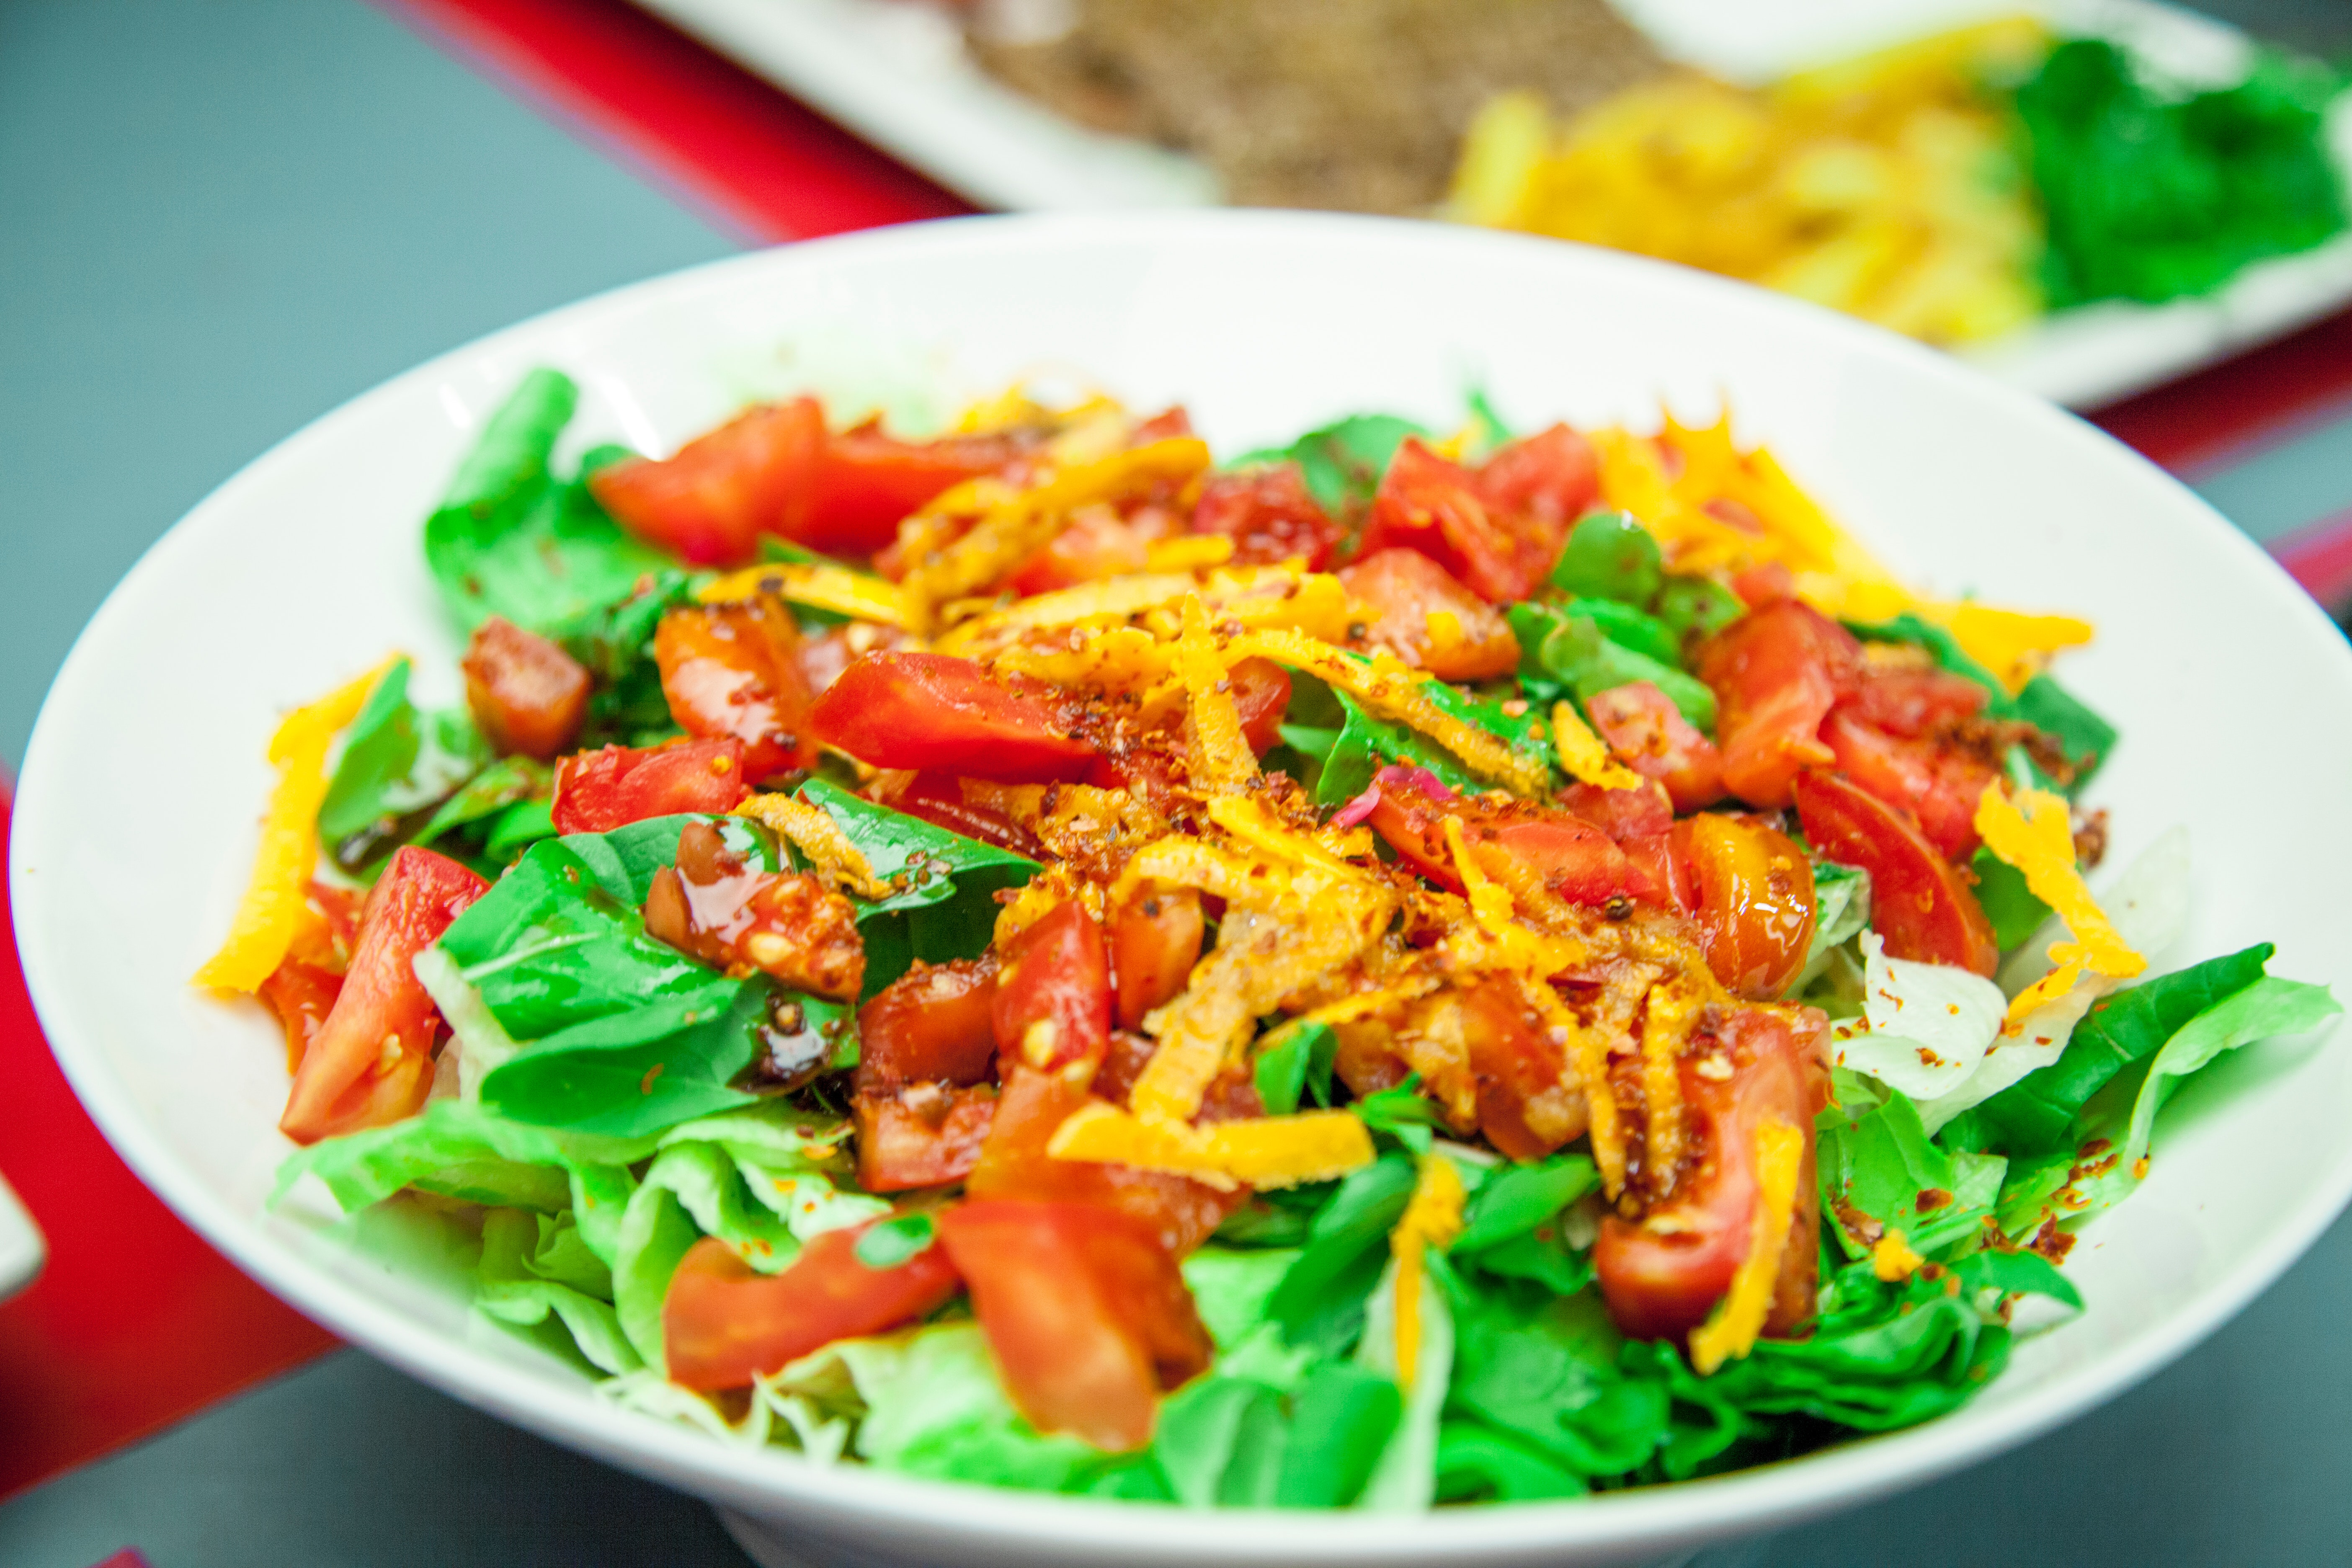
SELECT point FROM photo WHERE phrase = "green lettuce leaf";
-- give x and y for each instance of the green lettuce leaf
(510, 540)
(1875, 1159)
(1563, 651)
(1546, 1376)
(1342, 462)
(1366, 744)
(1610, 556)
(1320, 1303)
(398, 764)
(534, 1269)
(945, 905)
(1295, 1059)
(1511, 1228)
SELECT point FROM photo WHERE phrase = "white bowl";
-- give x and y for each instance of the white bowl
(134, 823)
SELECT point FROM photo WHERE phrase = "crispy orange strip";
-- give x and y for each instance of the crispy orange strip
(1433, 1218)
(1265, 1151)
(2036, 834)
(1221, 761)
(1583, 756)
(273, 910)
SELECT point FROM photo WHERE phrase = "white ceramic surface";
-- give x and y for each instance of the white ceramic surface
(135, 818)
(894, 72)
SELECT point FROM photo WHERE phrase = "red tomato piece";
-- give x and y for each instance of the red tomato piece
(1919, 902)
(1622, 813)
(920, 1136)
(302, 995)
(1649, 734)
(1155, 941)
(1055, 973)
(1430, 504)
(716, 906)
(1665, 859)
(371, 1061)
(1084, 1311)
(712, 501)
(1270, 516)
(598, 791)
(734, 669)
(528, 696)
(1260, 691)
(1776, 673)
(1574, 859)
(931, 1024)
(1405, 588)
(1755, 903)
(864, 483)
(1914, 703)
(723, 1323)
(1013, 1164)
(1939, 785)
(931, 711)
(1098, 544)
(1523, 1108)
(939, 800)
(1552, 479)
(1663, 1274)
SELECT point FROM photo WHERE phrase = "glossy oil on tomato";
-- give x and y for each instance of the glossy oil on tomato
(930, 711)
(1920, 903)
(1776, 674)
(598, 791)
(734, 671)
(1755, 903)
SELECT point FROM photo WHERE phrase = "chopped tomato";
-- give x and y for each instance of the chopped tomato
(716, 906)
(1014, 1163)
(301, 994)
(1754, 901)
(1523, 1106)
(1260, 689)
(1663, 1274)
(1664, 859)
(598, 791)
(1622, 813)
(1410, 594)
(1552, 478)
(1914, 702)
(1166, 424)
(723, 1323)
(371, 1061)
(1155, 941)
(712, 501)
(1776, 673)
(1053, 1001)
(1430, 504)
(1573, 859)
(1269, 515)
(866, 483)
(527, 695)
(920, 1136)
(1084, 1311)
(940, 799)
(1940, 786)
(1650, 735)
(734, 669)
(1919, 902)
(931, 1024)
(931, 711)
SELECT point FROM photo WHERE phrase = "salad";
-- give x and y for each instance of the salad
(1405, 968)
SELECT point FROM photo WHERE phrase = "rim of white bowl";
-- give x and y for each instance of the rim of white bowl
(854, 1501)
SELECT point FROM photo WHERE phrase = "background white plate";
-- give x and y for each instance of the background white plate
(134, 821)
(894, 72)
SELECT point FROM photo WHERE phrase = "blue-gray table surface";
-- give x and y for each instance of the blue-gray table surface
(224, 218)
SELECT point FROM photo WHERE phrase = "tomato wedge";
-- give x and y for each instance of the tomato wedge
(1940, 785)
(723, 1323)
(527, 695)
(1084, 1311)
(1662, 1275)
(940, 799)
(1428, 503)
(710, 501)
(1269, 515)
(1919, 903)
(1776, 673)
(371, 1061)
(920, 1136)
(735, 669)
(1574, 859)
(1052, 1004)
(1649, 734)
(932, 710)
(1406, 589)
(598, 791)
(864, 483)
(1523, 1108)
(1755, 903)
(1622, 813)
(931, 1024)
(1155, 941)
(1552, 479)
